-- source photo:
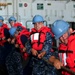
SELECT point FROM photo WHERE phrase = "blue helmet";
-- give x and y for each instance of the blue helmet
(1, 24)
(12, 31)
(1, 18)
(37, 18)
(59, 27)
(12, 19)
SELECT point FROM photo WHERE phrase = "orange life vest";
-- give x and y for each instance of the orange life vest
(38, 37)
(18, 41)
(71, 46)
(4, 26)
(62, 53)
